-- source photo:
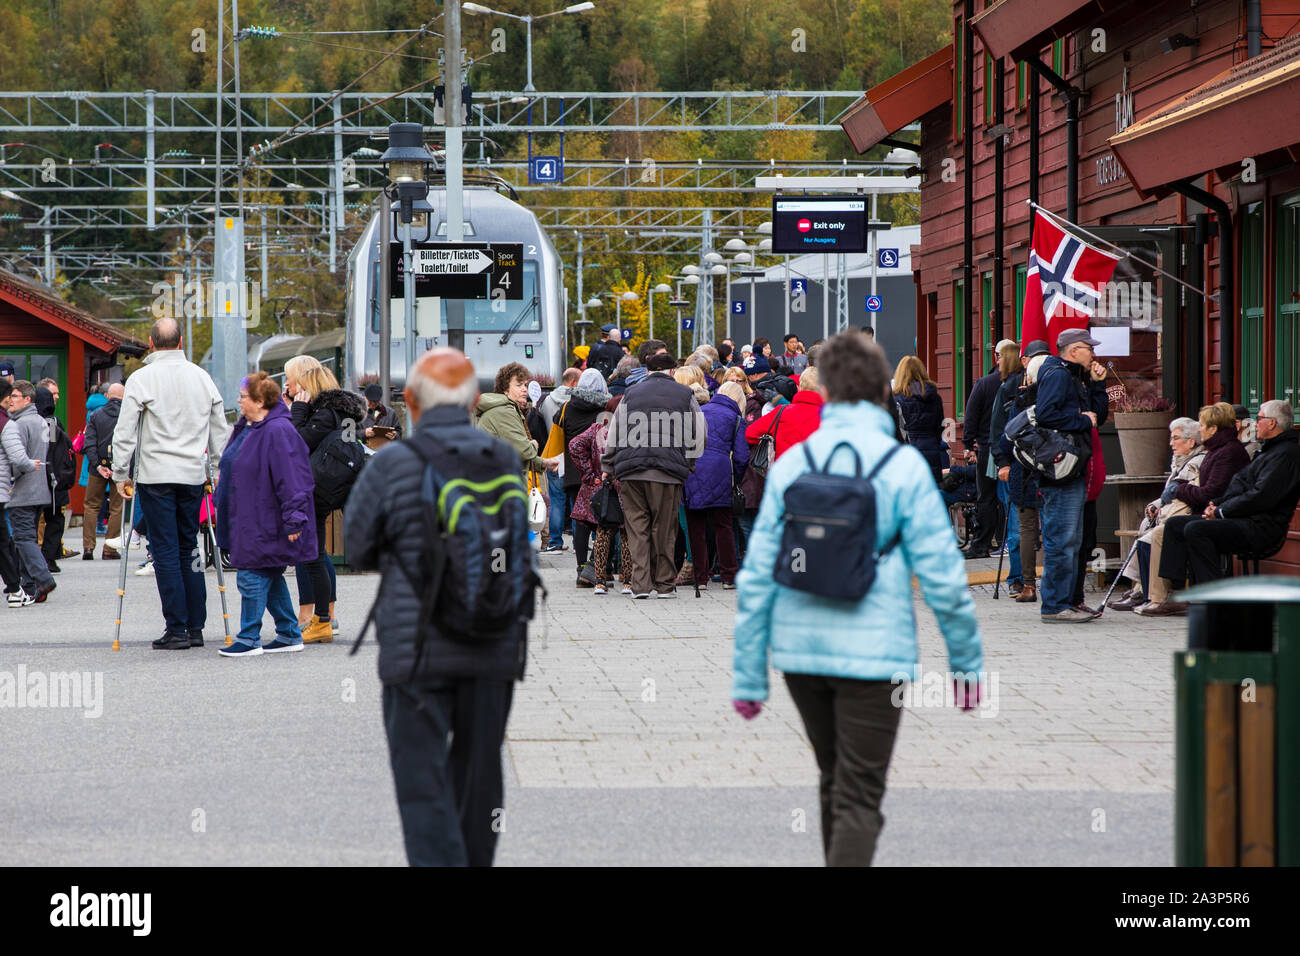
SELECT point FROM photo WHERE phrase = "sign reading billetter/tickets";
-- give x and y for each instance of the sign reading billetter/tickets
(462, 270)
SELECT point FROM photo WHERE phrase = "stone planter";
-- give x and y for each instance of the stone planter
(1144, 441)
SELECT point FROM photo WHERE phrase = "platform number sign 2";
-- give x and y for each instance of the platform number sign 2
(545, 169)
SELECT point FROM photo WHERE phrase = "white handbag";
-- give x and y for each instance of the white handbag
(537, 506)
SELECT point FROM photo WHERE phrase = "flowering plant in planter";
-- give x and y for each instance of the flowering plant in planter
(1140, 402)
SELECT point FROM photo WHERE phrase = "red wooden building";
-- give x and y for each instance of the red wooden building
(1168, 128)
(43, 336)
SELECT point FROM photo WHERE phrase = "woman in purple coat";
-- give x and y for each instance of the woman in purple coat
(708, 491)
(265, 514)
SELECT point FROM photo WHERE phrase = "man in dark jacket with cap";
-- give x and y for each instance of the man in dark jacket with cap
(378, 415)
(974, 428)
(1071, 399)
(606, 353)
(446, 703)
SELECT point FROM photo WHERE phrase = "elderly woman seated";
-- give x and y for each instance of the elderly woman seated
(1188, 453)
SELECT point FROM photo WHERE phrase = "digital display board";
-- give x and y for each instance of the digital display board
(803, 224)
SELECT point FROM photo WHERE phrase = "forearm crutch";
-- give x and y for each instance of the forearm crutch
(221, 575)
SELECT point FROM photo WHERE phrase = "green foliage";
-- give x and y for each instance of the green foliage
(668, 45)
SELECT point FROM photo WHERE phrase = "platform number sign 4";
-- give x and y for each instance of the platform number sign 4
(545, 169)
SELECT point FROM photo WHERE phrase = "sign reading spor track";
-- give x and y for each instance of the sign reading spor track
(462, 270)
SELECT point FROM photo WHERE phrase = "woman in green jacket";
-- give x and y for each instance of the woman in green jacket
(501, 413)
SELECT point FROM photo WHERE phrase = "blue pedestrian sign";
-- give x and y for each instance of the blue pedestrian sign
(875, 303)
(688, 323)
(738, 307)
(887, 258)
(798, 286)
(544, 169)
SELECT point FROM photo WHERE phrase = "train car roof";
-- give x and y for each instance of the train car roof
(333, 339)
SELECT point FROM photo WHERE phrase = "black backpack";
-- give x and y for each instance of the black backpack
(478, 583)
(335, 464)
(62, 460)
(829, 535)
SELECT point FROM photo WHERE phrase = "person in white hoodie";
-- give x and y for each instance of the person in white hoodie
(171, 416)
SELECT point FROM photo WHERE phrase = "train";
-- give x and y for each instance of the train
(530, 330)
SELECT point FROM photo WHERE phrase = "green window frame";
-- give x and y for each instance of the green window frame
(959, 318)
(26, 368)
(1058, 57)
(986, 321)
(1253, 330)
(1018, 306)
(990, 101)
(958, 79)
(1022, 83)
(1286, 285)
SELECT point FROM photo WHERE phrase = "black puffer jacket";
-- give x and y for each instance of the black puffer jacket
(921, 412)
(578, 414)
(384, 527)
(326, 412)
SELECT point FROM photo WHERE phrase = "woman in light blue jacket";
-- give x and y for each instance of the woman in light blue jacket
(843, 661)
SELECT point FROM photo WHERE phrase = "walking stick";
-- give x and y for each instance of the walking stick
(1006, 527)
(221, 575)
(1119, 574)
(128, 532)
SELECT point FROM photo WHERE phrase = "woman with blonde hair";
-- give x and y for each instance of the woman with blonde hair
(319, 407)
(689, 375)
(920, 411)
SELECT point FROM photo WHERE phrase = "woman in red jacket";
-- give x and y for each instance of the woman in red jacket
(792, 423)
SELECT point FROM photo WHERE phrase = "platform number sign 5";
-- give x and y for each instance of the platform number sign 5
(738, 307)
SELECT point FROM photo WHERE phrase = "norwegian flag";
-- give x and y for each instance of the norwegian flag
(1064, 284)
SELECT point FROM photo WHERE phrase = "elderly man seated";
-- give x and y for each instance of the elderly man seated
(1251, 516)
(1185, 466)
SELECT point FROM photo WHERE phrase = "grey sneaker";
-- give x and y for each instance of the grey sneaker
(1068, 616)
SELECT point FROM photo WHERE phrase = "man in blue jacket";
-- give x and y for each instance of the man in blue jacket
(1071, 399)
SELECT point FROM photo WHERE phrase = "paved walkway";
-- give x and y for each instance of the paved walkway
(622, 744)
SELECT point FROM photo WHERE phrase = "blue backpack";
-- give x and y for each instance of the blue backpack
(829, 539)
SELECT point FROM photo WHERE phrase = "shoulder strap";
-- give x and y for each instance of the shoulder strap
(771, 429)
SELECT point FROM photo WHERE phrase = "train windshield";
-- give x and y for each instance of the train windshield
(480, 316)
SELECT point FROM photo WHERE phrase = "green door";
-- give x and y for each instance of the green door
(32, 365)
(959, 357)
(1018, 303)
(1253, 340)
(1287, 299)
(986, 321)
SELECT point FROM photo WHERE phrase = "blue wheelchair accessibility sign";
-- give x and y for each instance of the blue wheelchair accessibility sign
(887, 258)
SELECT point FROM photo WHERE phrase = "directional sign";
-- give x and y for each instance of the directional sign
(887, 258)
(544, 169)
(461, 270)
(738, 307)
(798, 286)
(875, 303)
(450, 260)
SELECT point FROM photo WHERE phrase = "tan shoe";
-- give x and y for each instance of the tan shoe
(686, 576)
(318, 631)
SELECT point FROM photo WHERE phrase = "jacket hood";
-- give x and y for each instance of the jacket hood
(95, 402)
(44, 402)
(720, 399)
(347, 404)
(860, 414)
(589, 397)
(28, 409)
(490, 400)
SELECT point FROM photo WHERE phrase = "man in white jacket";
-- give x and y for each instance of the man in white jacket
(179, 416)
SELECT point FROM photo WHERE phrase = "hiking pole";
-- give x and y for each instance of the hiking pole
(1119, 574)
(221, 575)
(1006, 527)
(128, 532)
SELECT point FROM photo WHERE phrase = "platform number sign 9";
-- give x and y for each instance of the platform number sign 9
(545, 169)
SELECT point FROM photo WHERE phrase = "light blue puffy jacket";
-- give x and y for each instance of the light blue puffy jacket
(874, 639)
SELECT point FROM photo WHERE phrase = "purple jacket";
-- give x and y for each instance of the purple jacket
(267, 494)
(709, 486)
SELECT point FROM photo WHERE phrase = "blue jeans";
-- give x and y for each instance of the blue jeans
(262, 591)
(33, 571)
(1013, 533)
(555, 491)
(172, 514)
(1062, 523)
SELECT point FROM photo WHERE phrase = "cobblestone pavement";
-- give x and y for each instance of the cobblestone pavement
(622, 745)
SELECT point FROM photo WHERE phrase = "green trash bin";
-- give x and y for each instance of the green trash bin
(1237, 750)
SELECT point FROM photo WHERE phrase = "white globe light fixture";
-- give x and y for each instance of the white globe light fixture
(764, 229)
(742, 257)
(594, 303)
(765, 245)
(718, 270)
(690, 270)
(735, 244)
(713, 257)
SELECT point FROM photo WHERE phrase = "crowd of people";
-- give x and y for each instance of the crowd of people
(663, 474)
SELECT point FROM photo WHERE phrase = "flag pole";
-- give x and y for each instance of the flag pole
(1123, 253)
